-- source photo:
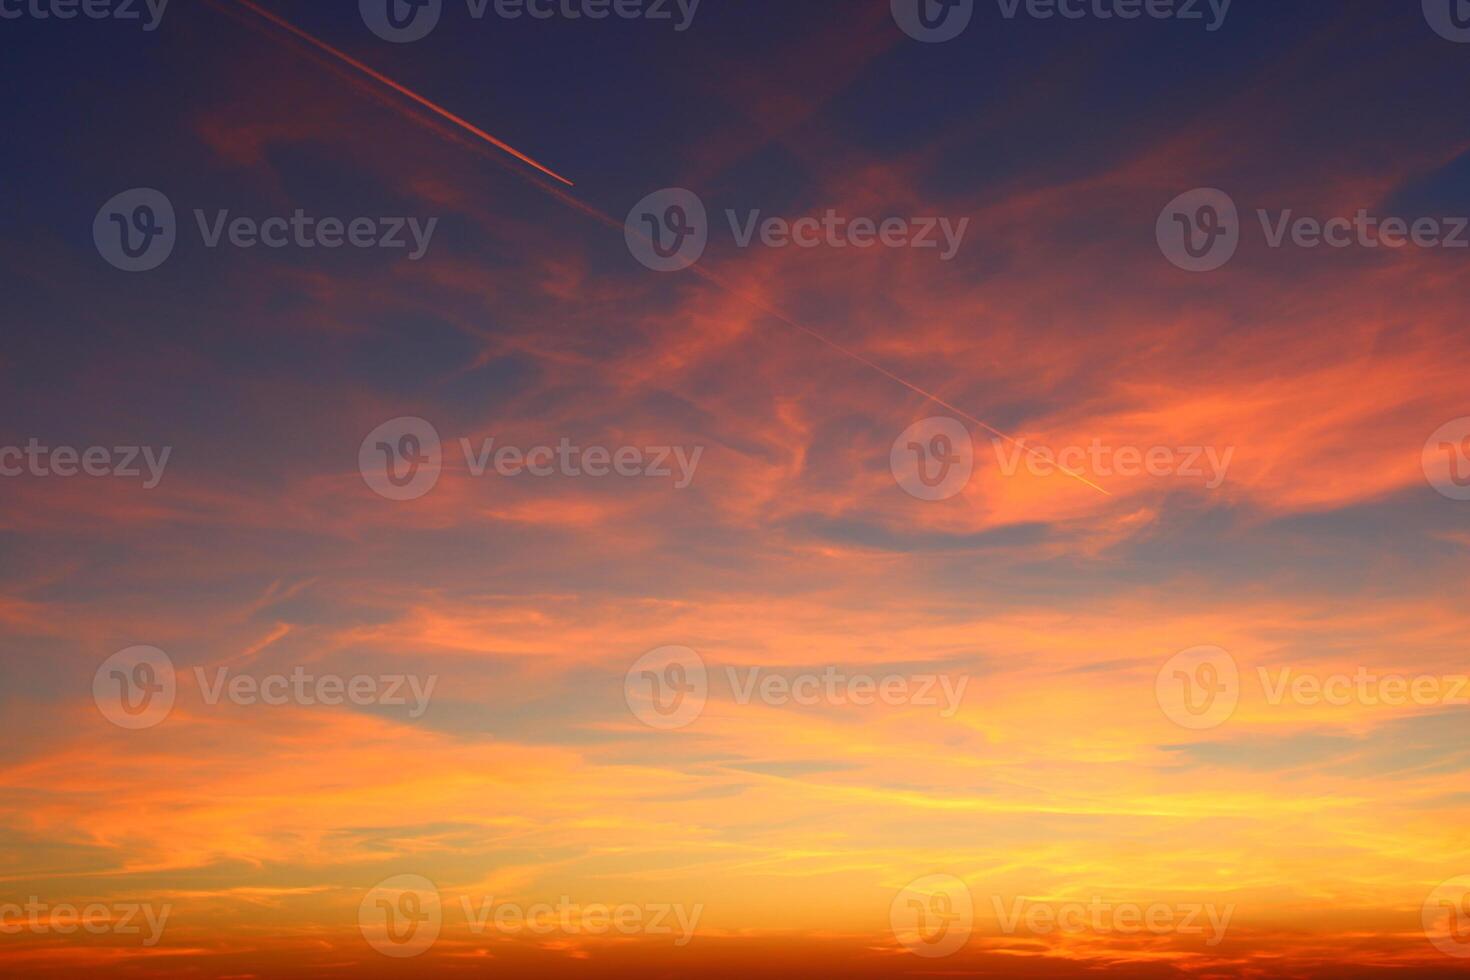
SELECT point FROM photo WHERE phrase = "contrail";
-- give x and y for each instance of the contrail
(598, 215)
(378, 76)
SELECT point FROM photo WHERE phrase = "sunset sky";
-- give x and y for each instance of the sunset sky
(1308, 409)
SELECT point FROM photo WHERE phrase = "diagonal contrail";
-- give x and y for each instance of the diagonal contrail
(585, 208)
(378, 76)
